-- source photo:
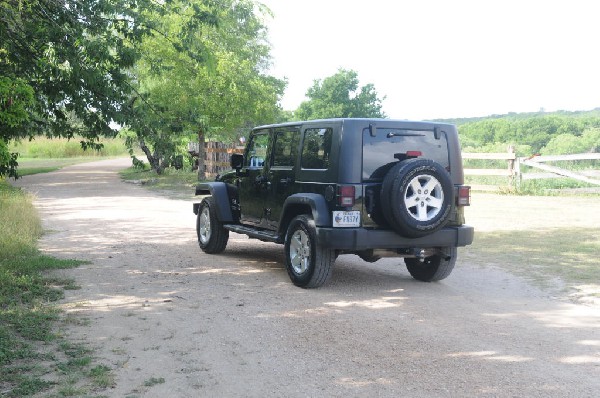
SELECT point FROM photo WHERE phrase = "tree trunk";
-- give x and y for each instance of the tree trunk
(201, 155)
(153, 159)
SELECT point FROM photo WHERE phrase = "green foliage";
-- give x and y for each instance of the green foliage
(16, 96)
(8, 161)
(535, 131)
(340, 96)
(567, 143)
(204, 75)
(64, 67)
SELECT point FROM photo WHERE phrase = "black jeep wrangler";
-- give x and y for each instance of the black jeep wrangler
(372, 187)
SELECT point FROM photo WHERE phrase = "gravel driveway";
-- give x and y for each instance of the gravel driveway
(233, 325)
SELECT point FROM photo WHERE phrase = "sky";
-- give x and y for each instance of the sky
(443, 58)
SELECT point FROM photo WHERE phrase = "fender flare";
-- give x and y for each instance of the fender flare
(218, 190)
(316, 202)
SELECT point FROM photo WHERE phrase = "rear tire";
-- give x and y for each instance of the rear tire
(434, 268)
(212, 237)
(308, 264)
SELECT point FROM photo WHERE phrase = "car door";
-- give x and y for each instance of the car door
(281, 173)
(254, 184)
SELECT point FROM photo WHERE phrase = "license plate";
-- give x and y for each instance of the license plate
(343, 219)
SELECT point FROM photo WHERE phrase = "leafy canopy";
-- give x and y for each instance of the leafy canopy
(340, 96)
(64, 66)
(205, 75)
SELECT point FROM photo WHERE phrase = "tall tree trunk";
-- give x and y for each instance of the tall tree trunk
(201, 154)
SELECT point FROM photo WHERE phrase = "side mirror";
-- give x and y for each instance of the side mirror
(236, 161)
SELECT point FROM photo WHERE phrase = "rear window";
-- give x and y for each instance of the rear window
(382, 152)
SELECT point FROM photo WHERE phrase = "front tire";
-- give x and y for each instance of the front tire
(308, 264)
(433, 268)
(212, 237)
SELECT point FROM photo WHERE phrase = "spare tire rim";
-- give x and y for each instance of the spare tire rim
(204, 232)
(424, 197)
(300, 251)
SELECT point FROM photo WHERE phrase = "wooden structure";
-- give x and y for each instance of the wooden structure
(515, 175)
(216, 157)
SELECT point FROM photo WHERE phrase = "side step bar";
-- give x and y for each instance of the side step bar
(264, 235)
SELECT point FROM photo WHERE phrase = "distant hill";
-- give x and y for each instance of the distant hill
(524, 115)
(560, 132)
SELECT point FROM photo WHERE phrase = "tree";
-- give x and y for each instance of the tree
(564, 144)
(16, 96)
(65, 63)
(340, 96)
(205, 76)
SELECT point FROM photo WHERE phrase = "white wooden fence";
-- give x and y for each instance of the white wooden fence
(515, 175)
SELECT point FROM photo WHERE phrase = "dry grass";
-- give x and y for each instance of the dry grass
(540, 238)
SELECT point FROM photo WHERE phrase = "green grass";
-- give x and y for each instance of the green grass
(29, 322)
(29, 166)
(172, 183)
(539, 187)
(570, 254)
(44, 155)
(60, 148)
(562, 259)
(154, 381)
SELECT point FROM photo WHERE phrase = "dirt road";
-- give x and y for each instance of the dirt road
(233, 325)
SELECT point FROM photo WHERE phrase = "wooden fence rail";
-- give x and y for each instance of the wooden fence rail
(514, 163)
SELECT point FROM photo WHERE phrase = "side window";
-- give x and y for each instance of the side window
(285, 147)
(316, 148)
(257, 150)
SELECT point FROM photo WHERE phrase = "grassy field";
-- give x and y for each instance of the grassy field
(551, 241)
(44, 155)
(34, 355)
(60, 148)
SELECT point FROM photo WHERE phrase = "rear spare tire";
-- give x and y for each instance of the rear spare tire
(416, 197)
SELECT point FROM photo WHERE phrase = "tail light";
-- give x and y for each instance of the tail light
(346, 195)
(413, 154)
(464, 196)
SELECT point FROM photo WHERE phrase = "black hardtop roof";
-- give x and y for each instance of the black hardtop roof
(389, 123)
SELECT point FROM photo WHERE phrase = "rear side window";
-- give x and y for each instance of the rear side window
(316, 150)
(285, 147)
(382, 152)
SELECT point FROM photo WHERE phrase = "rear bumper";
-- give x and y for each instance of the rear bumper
(362, 239)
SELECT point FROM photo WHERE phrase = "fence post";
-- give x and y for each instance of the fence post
(511, 167)
(519, 175)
